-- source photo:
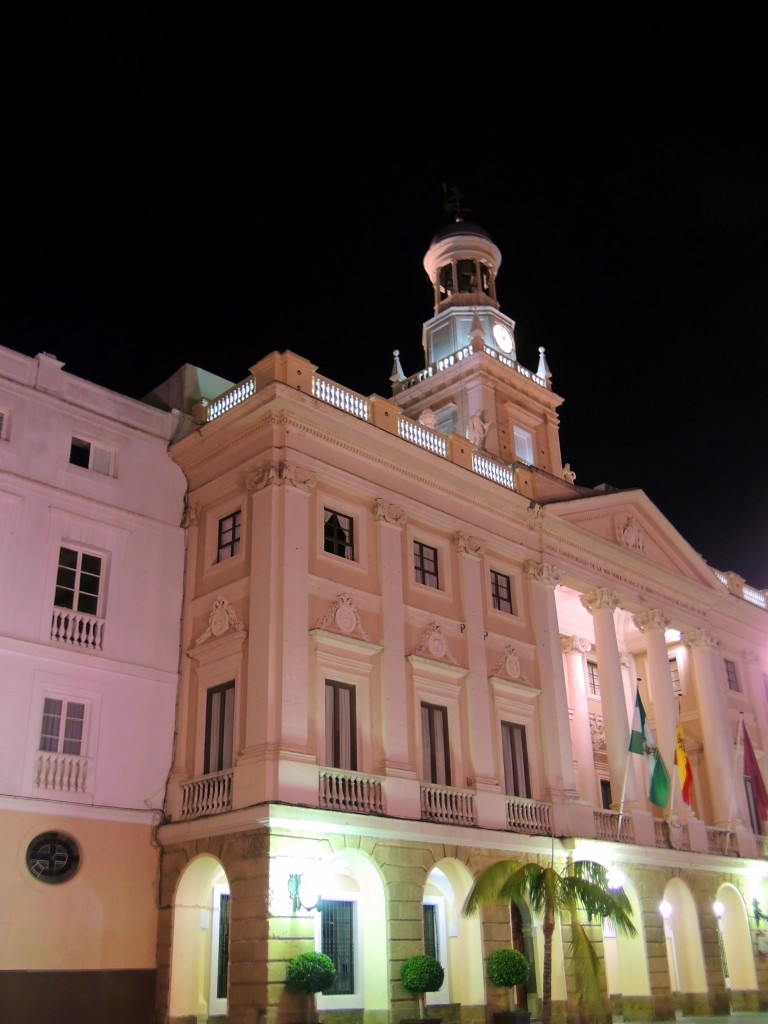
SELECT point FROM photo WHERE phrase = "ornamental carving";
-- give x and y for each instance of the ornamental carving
(279, 473)
(191, 515)
(433, 645)
(699, 638)
(632, 534)
(597, 730)
(221, 620)
(468, 545)
(542, 572)
(389, 513)
(599, 598)
(650, 620)
(575, 645)
(509, 665)
(343, 614)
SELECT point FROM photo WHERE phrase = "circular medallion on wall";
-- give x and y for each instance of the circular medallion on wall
(53, 857)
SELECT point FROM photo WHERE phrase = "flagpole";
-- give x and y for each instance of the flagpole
(739, 736)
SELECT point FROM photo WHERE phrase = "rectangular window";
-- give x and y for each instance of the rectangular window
(425, 564)
(228, 544)
(674, 671)
(754, 817)
(605, 793)
(338, 538)
(89, 456)
(436, 763)
(431, 930)
(593, 680)
(730, 675)
(523, 445)
(78, 581)
(337, 940)
(219, 728)
(501, 592)
(515, 753)
(340, 726)
(2, 425)
(62, 728)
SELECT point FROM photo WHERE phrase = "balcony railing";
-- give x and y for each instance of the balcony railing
(210, 794)
(351, 791)
(61, 773)
(529, 816)
(77, 629)
(720, 840)
(448, 805)
(615, 827)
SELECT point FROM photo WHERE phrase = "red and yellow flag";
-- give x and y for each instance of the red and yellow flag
(683, 767)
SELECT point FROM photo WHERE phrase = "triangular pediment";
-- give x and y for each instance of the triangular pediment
(629, 521)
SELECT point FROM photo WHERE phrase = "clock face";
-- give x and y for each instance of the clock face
(503, 338)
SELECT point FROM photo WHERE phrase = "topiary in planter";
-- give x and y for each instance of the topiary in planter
(420, 974)
(508, 968)
(309, 973)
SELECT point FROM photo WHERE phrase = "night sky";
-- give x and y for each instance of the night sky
(185, 183)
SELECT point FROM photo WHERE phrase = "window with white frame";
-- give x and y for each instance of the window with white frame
(219, 728)
(228, 538)
(436, 762)
(731, 676)
(515, 754)
(337, 940)
(340, 726)
(593, 680)
(90, 456)
(501, 592)
(523, 444)
(78, 581)
(674, 671)
(425, 564)
(3, 425)
(338, 534)
(63, 726)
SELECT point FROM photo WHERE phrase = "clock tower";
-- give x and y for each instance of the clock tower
(472, 383)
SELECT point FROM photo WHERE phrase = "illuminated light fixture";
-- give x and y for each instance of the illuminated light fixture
(304, 892)
(665, 909)
(615, 877)
(718, 909)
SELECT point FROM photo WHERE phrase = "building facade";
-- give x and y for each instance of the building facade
(411, 645)
(91, 559)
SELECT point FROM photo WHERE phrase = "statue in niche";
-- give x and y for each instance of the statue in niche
(477, 429)
(428, 418)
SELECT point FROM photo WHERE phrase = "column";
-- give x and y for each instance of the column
(575, 648)
(555, 726)
(653, 624)
(479, 727)
(726, 789)
(601, 604)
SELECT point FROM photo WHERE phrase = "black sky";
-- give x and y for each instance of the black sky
(194, 183)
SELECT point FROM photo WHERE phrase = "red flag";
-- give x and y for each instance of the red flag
(683, 767)
(752, 772)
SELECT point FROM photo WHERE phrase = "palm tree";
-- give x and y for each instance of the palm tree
(580, 885)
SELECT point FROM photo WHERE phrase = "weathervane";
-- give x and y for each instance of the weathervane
(452, 202)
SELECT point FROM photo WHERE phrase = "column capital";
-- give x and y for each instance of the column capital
(542, 572)
(699, 638)
(650, 620)
(389, 513)
(575, 644)
(599, 598)
(467, 545)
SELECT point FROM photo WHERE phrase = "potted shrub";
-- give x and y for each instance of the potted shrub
(309, 973)
(420, 974)
(508, 968)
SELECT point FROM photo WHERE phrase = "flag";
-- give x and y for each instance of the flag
(641, 741)
(752, 772)
(683, 767)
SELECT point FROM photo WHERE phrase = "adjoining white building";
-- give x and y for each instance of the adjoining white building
(411, 645)
(91, 563)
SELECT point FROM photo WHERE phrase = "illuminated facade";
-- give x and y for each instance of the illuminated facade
(91, 560)
(410, 646)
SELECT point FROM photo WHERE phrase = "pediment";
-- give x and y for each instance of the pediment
(631, 523)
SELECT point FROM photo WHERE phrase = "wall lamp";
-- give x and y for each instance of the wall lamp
(718, 910)
(303, 891)
(665, 909)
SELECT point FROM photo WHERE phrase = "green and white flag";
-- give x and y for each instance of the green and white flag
(641, 741)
